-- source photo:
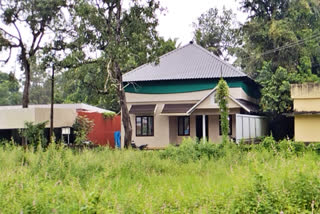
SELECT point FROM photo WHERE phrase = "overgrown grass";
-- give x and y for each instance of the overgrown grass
(193, 178)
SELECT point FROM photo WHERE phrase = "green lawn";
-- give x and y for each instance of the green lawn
(190, 179)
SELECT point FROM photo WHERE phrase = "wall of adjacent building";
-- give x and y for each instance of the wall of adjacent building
(15, 118)
(306, 97)
(306, 102)
(103, 129)
(307, 128)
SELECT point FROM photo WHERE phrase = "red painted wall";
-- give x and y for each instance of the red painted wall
(103, 129)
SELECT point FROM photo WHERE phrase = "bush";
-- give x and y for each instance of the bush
(191, 178)
(34, 134)
(192, 150)
(82, 128)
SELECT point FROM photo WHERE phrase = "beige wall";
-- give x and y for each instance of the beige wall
(307, 128)
(305, 91)
(213, 129)
(306, 104)
(61, 117)
(15, 118)
(182, 97)
(210, 103)
(306, 98)
(165, 126)
(161, 130)
(214, 111)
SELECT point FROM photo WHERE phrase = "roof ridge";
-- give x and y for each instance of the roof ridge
(160, 57)
(222, 61)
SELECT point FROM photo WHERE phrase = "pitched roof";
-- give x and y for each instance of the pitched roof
(188, 62)
(246, 105)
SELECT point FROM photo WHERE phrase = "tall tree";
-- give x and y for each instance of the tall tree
(280, 46)
(88, 82)
(122, 36)
(217, 32)
(31, 26)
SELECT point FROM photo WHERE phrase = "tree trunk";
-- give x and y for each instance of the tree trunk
(126, 122)
(25, 96)
(27, 71)
(51, 107)
(120, 89)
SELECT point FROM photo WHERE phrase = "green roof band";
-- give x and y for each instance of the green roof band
(183, 86)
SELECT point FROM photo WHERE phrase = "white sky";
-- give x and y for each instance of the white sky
(177, 23)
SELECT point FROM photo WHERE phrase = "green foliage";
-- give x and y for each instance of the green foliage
(9, 90)
(33, 20)
(34, 134)
(222, 96)
(280, 47)
(235, 179)
(82, 128)
(216, 32)
(108, 115)
(190, 150)
(275, 90)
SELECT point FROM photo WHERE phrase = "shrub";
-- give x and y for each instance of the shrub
(108, 115)
(192, 178)
(34, 134)
(82, 128)
(192, 150)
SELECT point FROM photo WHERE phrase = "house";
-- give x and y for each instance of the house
(13, 118)
(176, 99)
(306, 103)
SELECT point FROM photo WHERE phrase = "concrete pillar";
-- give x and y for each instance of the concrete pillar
(204, 128)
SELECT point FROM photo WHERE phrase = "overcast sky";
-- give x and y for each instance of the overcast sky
(177, 23)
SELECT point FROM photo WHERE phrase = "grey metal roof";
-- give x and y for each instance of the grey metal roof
(251, 106)
(188, 62)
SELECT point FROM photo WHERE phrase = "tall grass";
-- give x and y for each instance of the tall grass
(193, 178)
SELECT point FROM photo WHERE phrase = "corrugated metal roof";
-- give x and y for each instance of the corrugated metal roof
(188, 62)
(251, 106)
(177, 108)
(142, 109)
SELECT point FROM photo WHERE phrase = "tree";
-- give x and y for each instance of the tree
(31, 27)
(89, 82)
(280, 46)
(217, 33)
(82, 127)
(123, 36)
(222, 95)
(9, 89)
(34, 134)
(275, 90)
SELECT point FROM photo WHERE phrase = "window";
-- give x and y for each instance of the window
(183, 126)
(144, 126)
(230, 125)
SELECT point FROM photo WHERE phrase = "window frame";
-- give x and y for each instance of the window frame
(148, 122)
(183, 125)
(230, 125)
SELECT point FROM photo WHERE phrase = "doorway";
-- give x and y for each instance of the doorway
(199, 127)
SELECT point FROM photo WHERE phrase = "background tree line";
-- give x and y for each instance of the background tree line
(93, 42)
(279, 44)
